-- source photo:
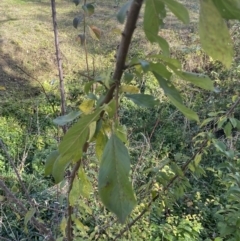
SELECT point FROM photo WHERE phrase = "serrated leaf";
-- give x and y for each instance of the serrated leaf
(76, 21)
(88, 9)
(122, 13)
(101, 141)
(214, 34)
(87, 106)
(95, 32)
(143, 100)
(63, 120)
(199, 80)
(115, 189)
(50, 162)
(76, 2)
(178, 10)
(228, 129)
(129, 89)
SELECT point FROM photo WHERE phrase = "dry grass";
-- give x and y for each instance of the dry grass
(27, 43)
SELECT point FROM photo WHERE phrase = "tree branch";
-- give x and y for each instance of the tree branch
(22, 210)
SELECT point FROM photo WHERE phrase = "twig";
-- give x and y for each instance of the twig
(59, 62)
(70, 208)
(16, 172)
(22, 210)
(43, 89)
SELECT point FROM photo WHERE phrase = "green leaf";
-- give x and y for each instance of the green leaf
(220, 145)
(63, 120)
(228, 129)
(233, 121)
(153, 19)
(221, 121)
(60, 166)
(87, 106)
(129, 89)
(121, 133)
(160, 69)
(214, 34)
(238, 124)
(144, 64)
(77, 135)
(197, 159)
(199, 80)
(87, 86)
(115, 188)
(143, 100)
(171, 63)
(50, 162)
(28, 217)
(178, 10)
(229, 9)
(88, 9)
(168, 88)
(101, 142)
(76, 21)
(206, 121)
(85, 184)
(92, 129)
(81, 186)
(191, 115)
(121, 15)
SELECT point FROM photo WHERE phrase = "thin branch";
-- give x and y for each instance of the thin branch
(22, 210)
(59, 62)
(70, 208)
(16, 172)
(42, 87)
(233, 107)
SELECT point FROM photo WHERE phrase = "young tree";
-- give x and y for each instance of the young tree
(99, 121)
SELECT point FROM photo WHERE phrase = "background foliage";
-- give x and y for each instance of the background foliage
(203, 204)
